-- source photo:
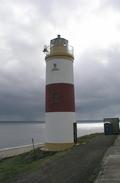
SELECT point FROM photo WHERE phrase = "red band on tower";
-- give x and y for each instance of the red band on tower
(60, 98)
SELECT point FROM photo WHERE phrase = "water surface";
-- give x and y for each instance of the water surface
(19, 134)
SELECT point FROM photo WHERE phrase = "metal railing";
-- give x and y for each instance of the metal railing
(53, 49)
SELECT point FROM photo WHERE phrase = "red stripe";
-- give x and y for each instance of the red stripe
(60, 98)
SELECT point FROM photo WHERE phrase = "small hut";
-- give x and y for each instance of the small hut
(114, 123)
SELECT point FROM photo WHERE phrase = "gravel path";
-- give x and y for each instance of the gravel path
(77, 166)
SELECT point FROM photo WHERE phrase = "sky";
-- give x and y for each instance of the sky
(92, 28)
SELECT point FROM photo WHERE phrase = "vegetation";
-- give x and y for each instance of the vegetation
(12, 168)
(85, 139)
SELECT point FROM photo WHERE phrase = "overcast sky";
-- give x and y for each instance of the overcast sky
(92, 28)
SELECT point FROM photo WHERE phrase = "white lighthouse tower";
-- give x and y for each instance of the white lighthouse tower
(60, 102)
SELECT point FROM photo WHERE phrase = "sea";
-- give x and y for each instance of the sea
(13, 134)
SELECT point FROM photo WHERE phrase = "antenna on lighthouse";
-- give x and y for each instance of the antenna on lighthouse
(45, 49)
(58, 36)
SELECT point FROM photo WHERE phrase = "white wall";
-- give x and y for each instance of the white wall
(64, 74)
(59, 127)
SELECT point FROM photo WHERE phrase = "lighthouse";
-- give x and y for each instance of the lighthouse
(60, 100)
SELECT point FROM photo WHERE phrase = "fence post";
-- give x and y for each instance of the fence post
(33, 144)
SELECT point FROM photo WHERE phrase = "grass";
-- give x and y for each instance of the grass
(12, 168)
(85, 139)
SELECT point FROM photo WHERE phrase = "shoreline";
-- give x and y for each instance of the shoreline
(13, 151)
(17, 150)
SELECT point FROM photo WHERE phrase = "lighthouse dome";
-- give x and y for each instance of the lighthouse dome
(59, 47)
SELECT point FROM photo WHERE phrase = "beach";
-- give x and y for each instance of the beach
(9, 152)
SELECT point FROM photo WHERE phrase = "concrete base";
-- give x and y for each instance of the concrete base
(58, 146)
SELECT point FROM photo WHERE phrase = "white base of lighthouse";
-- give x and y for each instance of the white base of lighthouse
(61, 123)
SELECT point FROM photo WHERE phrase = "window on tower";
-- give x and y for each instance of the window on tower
(55, 67)
(55, 97)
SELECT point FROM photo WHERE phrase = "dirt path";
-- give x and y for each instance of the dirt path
(77, 166)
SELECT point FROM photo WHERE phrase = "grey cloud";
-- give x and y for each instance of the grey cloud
(29, 105)
(21, 70)
(22, 84)
(115, 4)
(99, 83)
(26, 26)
